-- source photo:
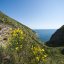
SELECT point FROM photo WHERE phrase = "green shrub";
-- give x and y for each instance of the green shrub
(15, 44)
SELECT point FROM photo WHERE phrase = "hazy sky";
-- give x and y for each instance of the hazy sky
(36, 14)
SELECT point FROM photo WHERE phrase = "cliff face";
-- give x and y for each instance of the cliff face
(57, 39)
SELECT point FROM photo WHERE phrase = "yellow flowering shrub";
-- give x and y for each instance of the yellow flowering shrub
(39, 53)
(15, 42)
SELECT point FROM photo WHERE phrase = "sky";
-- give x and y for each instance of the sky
(36, 14)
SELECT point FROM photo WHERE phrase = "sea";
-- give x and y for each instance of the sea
(44, 34)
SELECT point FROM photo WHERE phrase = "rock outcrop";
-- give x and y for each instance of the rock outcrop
(57, 39)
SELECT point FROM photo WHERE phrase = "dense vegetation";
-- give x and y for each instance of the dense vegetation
(17, 51)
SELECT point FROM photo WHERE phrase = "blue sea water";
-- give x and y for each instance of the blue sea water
(44, 34)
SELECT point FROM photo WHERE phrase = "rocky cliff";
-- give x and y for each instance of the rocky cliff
(57, 39)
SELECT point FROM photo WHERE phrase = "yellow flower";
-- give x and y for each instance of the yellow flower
(42, 50)
(21, 32)
(17, 48)
(37, 58)
(45, 56)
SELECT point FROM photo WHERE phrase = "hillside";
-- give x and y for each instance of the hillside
(57, 39)
(20, 45)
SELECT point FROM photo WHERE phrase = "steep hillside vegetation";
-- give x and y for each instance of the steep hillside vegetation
(19, 44)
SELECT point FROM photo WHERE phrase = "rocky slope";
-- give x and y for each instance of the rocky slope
(57, 39)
